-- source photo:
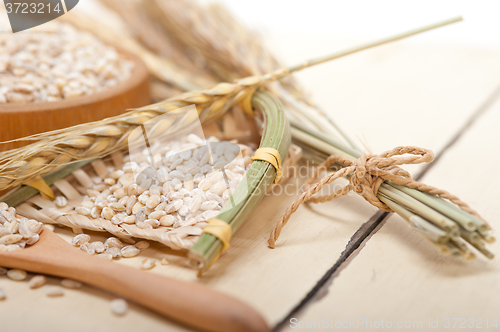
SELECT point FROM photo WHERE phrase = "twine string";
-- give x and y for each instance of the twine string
(366, 175)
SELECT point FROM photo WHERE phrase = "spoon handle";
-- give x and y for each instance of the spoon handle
(187, 303)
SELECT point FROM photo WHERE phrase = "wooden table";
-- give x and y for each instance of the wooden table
(442, 98)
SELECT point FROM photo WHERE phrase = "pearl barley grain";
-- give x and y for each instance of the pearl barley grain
(37, 281)
(61, 201)
(71, 284)
(54, 291)
(119, 307)
(17, 275)
(114, 252)
(113, 242)
(130, 251)
(80, 239)
(147, 263)
(142, 245)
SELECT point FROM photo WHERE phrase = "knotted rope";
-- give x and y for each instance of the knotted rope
(366, 175)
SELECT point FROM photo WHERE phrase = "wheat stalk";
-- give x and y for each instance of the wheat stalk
(232, 51)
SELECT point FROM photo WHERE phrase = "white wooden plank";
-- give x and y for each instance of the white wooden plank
(400, 94)
(398, 276)
(274, 281)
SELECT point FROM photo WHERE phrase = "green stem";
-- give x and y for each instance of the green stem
(259, 178)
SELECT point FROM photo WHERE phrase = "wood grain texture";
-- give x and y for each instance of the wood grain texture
(275, 281)
(20, 120)
(399, 276)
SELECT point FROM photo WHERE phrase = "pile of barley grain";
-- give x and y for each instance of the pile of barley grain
(56, 62)
(16, 233)
(184, 190)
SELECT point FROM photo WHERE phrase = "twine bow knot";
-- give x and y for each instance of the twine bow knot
(370, 171)
(365, 177)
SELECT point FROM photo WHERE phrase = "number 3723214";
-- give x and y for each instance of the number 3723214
(32, 8)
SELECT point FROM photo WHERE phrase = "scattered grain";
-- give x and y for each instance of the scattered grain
(113, 242)
(114, 252)
(54, 291)
(130, 251)
(72, 284)
(88, 248)
(119, 307)
(105, 255)
(37, 281)
(142, 245)
(147, 263)
(98, 247)
(80, 239)
(17, 275)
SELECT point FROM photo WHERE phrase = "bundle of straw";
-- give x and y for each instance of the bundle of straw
(447, 223)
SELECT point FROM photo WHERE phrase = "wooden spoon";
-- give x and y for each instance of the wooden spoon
(187, 303)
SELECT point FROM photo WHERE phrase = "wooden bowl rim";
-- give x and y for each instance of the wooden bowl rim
(138, 75)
